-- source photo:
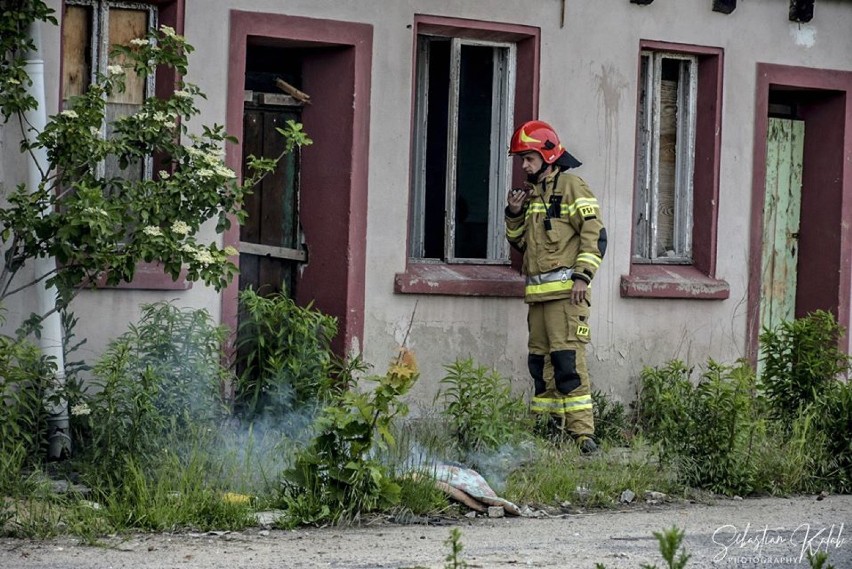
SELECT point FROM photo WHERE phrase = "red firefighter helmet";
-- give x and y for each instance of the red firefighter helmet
(537, 136)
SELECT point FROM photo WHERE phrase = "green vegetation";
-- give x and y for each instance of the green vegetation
(337, 475)
(453, 560)
(559, 476)
(159, 447)
(480, 409)
(285, 355)
(734, 433)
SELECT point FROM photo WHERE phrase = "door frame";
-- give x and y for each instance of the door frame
(338, 120)
(836, 171)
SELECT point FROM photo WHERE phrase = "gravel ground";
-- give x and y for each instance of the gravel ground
(765, 532)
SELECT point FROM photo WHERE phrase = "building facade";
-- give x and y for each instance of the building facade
(717, 138)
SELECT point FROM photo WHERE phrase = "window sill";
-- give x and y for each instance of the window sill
(460, 280)
(672, 281)
(150, 276)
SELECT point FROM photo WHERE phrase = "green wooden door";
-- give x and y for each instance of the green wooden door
(270, 250)
(782, 208)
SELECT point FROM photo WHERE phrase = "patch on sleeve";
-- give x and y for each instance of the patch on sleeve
(588, 212)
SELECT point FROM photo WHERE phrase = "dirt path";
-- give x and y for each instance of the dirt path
(748, 533)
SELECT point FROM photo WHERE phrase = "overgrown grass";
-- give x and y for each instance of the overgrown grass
(559, 474)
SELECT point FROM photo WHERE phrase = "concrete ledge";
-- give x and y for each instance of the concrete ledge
(672, 281)
(460, 280)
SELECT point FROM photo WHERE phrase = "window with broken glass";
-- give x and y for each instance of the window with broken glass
(464, 104)
(90, 30)
(665, 158)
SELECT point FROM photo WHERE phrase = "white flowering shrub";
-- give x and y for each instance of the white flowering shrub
(97, 227)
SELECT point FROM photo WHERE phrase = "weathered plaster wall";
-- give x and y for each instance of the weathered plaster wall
(588, 92)
(13, 171)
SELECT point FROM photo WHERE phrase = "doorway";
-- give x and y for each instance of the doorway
(801, 249)
(330, 61)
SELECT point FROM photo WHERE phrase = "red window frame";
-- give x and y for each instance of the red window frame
(476, 280)
(698, 280)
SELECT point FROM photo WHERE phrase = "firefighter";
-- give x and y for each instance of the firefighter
(555, 221)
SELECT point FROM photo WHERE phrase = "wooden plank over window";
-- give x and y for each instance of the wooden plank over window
(124, 26)
(76, 51)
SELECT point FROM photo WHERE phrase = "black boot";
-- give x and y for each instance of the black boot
(587, 444)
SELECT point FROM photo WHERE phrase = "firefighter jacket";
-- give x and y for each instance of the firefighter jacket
(561, 235)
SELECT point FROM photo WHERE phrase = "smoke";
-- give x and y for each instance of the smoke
(253, 454)
(496, 466)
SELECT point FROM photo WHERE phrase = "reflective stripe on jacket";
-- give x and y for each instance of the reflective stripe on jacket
(559, 228)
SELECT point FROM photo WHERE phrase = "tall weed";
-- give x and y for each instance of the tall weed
(801, 359)
(707, 429)
(284, 355)
(805, 374)
(338, 475)
(480, 408)
(151, 384)
(26, 376)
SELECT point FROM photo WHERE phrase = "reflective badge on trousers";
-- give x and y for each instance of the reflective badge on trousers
(582, 331)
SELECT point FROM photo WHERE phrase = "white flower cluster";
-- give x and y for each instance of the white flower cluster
(115, 70)
(95, 131)
(153, 231)
(199, 254)
(13, 81)
(167, 119)
(211, 162)
(180, 227)
(69, 114)
(230, 251)
(80, 410)
(204, 257)
(181, 94)
(139, 42)
(169, 31)
(95, 210)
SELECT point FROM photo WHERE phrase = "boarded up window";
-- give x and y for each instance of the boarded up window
(665, 158)
(90, 30)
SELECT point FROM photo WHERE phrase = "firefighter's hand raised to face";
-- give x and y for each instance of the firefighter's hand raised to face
(516, 199)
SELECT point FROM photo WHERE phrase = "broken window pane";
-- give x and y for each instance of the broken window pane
(464, 100)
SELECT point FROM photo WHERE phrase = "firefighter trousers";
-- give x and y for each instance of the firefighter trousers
(558, 334)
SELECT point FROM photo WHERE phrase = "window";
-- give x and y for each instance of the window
(678, 149)
(665, 158)
(90, 30)
(464, 109)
